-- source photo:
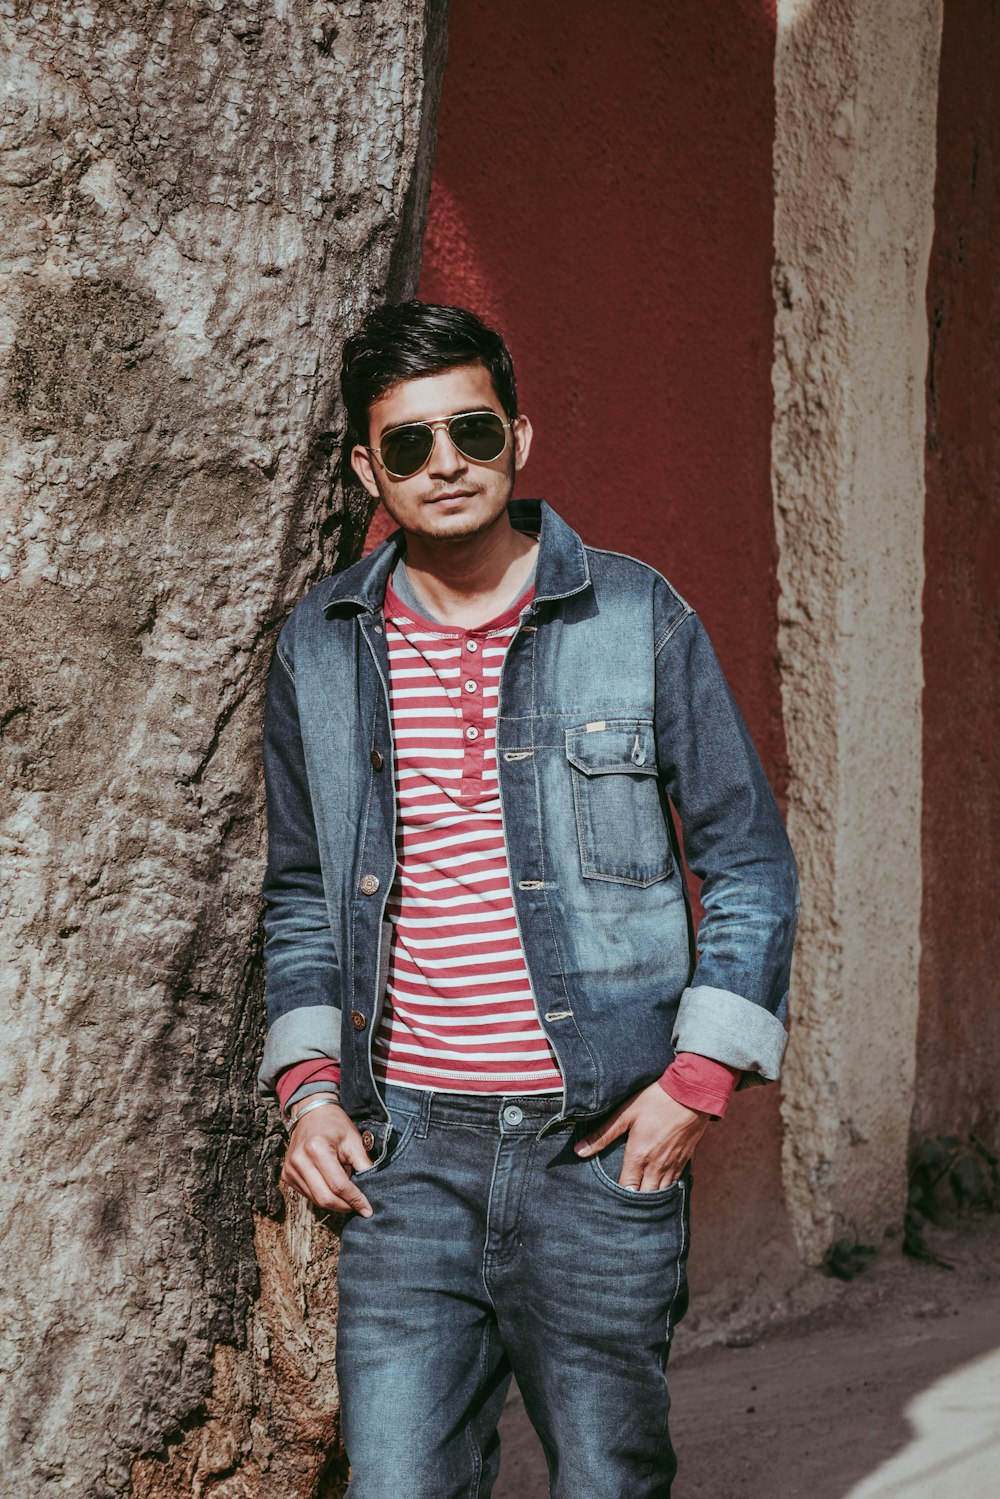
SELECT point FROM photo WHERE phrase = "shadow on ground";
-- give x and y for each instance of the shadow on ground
(889, 1392)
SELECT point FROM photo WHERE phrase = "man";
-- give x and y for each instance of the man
(487, 1021)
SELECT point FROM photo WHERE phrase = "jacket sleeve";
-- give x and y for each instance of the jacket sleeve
(302, 971)
(735, 1006)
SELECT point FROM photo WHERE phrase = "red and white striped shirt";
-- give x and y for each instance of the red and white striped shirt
(459, 1014)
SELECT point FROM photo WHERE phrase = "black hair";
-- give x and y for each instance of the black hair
(405, 340)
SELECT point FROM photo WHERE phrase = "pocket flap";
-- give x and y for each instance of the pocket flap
(624, 746)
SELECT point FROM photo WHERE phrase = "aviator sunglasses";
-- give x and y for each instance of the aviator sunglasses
(479, 435)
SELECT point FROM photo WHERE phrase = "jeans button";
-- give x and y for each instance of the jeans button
(512, 1114)
(369, 884)
(368, 1140)
(358, 1020)
(378, 759)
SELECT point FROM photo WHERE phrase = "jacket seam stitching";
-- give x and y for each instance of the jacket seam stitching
(627, 556)
(686, 609)
(533, 645)
(287, 665)
(671, 630)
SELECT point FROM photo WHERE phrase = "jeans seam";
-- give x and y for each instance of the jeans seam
(489, 1217)
(669, 1334)
(522, 1192)
(680, 1261)
(477, 1451)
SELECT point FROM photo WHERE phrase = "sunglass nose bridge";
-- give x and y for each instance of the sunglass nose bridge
(455, 458)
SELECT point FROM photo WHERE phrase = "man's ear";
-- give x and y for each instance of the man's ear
(522, 435)
(362, 465)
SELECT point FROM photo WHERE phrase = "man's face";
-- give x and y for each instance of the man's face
(452, 496)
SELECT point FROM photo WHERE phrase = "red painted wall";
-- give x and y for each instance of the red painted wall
(959, 1034)
(603, 193)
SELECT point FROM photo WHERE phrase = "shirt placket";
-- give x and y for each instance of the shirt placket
(473, 714)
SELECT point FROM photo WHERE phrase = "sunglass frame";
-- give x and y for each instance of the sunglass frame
(432, 426)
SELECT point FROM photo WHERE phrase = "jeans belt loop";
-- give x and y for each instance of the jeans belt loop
(424, 1117)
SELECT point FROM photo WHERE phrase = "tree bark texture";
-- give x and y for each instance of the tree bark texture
(199, 199)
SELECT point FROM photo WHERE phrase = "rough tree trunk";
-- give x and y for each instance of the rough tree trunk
(198, 201)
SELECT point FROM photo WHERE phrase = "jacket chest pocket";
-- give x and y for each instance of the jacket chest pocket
(619, 813)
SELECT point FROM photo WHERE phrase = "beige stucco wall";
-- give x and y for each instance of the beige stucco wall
(854, 169)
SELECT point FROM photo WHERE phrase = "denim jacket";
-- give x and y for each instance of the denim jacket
(611, 706)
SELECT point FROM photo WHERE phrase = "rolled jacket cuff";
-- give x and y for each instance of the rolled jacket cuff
(730, 1029)
(304, 1078)
(306, 1033)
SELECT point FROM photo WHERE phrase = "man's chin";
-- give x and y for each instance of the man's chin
(458, 522)
(453, 527)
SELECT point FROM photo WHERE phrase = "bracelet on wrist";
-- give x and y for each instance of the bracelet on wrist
(316, 1102)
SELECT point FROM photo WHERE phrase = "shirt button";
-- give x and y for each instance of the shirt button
(378, 759)
(368, 1140)
(358, 1020)
(471, 645)
(512, 1114)
(369, 884)
(471, 733)
(470, 685)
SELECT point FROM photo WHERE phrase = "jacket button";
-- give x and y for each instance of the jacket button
(358, 1020)
(378, 759)
(368, 1140)
(369, 884)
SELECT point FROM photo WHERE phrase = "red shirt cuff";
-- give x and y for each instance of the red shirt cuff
(314, 1071)
(700, 1082)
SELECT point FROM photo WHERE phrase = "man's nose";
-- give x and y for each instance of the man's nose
(445, 458)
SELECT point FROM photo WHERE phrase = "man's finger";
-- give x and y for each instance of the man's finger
(310, 1182)
(327, 1184)
(356, 1199)
(331, 1203)
(632, 1172)
(353, 1152)
(659, 1175)
(608, 1131)
(332, 1156)
(339, 1181)
(345, 1147)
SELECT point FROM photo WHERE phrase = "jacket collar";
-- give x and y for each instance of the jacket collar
(562, 562)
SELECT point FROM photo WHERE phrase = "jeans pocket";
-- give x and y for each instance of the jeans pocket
(607, 1168)
(389, 1141)
(620, 811)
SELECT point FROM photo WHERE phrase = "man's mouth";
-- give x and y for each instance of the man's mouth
(451, 494)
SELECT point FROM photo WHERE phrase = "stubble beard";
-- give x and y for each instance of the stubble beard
(460, 530)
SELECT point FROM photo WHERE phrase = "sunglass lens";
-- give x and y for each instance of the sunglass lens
(481, 435)
(406, 450)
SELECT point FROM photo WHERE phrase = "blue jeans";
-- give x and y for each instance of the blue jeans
(491, 1251)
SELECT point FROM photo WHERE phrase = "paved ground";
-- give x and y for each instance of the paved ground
(891, 1391)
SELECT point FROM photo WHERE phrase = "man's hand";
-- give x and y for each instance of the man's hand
(662, 1135)
(323, 1151)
